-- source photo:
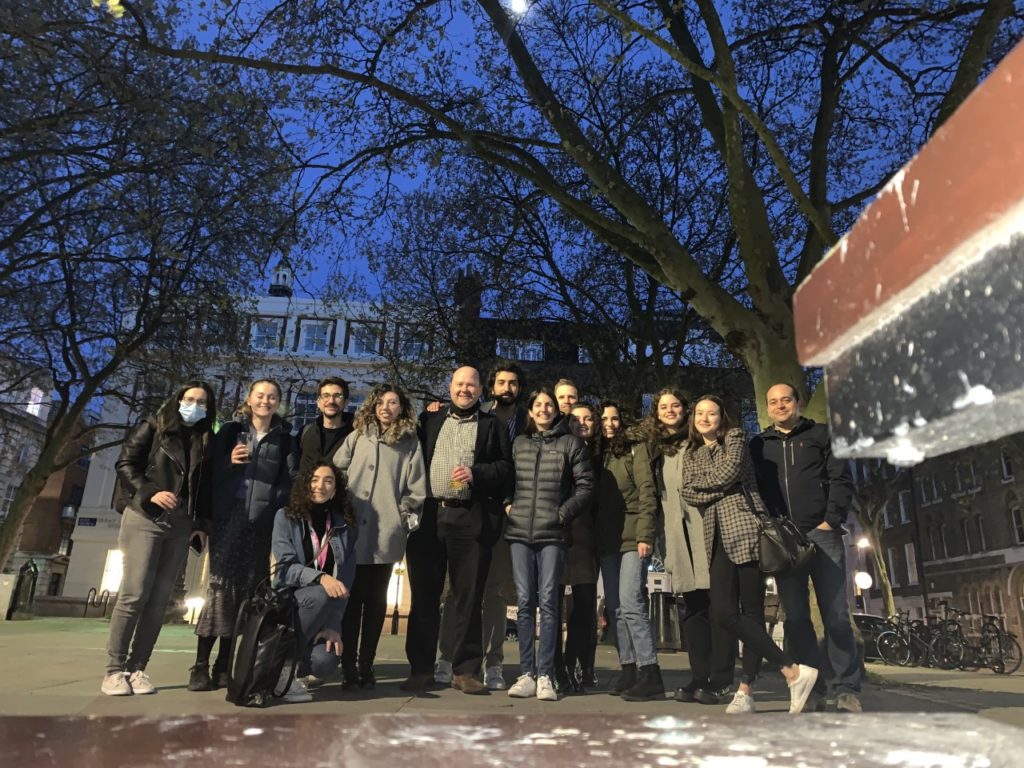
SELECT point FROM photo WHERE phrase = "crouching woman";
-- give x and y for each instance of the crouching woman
(314, 548)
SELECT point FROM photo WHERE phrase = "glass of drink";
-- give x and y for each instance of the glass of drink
(465, 460)
(245, 438)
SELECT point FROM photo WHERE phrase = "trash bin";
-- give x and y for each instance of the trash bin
(664, 618)
(24, 595)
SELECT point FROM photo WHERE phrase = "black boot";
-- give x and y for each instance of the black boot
(649, 685)
(219, 674)
(367, 678)
(349, 678)
(199, 678)
(588, 678)
(562, 682)
(627, 679)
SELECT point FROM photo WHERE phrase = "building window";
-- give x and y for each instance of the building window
(266, 333)
(525, 350)
(966, 478)
(304, 409)
(35, 402)
(1016, 518)
(942, 540)
(409, 345)
(894, 575)
(583, 356)
(1005, 466)
(924, 486)
(965, 531)
(886, 517)
(365, 339)
(905, 501)
(980, 528)
(7, 500)
(933, 535)
(911, 555)
(316, 336)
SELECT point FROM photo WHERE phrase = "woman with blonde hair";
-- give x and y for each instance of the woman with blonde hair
(383, 464)
(255, 460)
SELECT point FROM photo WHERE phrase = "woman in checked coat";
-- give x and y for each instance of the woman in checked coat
(718, 478)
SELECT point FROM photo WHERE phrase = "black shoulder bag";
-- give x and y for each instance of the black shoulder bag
(781, 546)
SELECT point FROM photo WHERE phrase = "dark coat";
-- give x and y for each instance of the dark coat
(714, 478)
(275, 463)
(627, 502)
(166, 471)
(492, 475)
(317, 445)
(799, 477)
(554, 484)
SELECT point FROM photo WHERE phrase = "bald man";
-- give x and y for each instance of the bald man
(469, 466)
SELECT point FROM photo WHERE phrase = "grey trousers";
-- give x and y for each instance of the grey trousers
(154, 552)
(494, 610)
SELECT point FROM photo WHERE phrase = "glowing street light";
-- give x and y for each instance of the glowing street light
(863, 542)
(863, 580)
(518, 7)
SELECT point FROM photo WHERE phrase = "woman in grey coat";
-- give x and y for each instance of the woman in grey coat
(382, 462)
(718, 478)
(255, 460)
(554, 482)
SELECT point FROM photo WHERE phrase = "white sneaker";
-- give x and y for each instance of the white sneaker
(546, 689)
(741, 704)
(443, 672)
(801, 688)
(140, 683)
(116, 684)
(525, 687)
(494, 678)
(297, 692)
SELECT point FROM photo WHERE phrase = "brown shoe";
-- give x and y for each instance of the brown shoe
(468, 684)
(417, 682)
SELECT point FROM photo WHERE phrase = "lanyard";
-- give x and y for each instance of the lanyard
(320, 558)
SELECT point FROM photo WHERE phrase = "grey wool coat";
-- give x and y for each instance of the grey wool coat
(713, 480)
(387, 483)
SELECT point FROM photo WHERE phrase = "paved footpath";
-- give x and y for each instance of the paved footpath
(54, 667)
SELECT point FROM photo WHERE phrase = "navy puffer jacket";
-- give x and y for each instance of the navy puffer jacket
(554, 483)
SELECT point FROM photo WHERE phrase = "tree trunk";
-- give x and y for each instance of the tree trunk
(31, 486)
(883, 576)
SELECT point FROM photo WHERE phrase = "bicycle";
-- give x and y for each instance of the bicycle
(997, 649)
(946, 649)
(907, 643)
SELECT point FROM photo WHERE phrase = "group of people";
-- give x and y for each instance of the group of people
(517, 498)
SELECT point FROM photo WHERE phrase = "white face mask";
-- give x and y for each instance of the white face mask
(191, 412)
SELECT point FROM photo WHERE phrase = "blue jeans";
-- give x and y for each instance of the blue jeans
(625, 594)
(316, 612)
(537, 572)
(827, 570)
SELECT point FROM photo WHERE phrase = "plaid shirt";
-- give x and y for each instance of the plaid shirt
(456, 439)
(713, 480)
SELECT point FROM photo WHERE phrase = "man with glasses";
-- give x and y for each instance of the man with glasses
(321, 438)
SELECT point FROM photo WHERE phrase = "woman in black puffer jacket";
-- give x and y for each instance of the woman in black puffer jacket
(554, 482)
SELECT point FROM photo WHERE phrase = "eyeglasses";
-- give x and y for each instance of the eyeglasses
(335, 396)
(192, 401)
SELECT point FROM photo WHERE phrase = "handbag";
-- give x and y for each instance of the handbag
(781, 546)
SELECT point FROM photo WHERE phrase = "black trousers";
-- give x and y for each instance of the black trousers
(732, 585)
(581, 628)
(448, 540)
(710, 647)
(364, 616)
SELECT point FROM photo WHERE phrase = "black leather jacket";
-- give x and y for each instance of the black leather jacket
(167, 470)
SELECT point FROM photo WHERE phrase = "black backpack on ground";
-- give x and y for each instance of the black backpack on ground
(266, 639)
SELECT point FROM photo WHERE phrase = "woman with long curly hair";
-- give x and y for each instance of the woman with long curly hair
(387, 485)
(711, 648)
(313, 546)
(718, 478)
(164, 465)
(255, 460)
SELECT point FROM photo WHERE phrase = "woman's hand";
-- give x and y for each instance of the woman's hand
(644, 549)
(239, 454)
(332, 638)
(333, 587)
(165, 500)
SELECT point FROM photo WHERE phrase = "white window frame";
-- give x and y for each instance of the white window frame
(910, 552)
(319, 344)
(521, 350)
(1005, 466)
(35, 401)
(414, 349)
(979, 526)
(273, 341)
(965, 531)
(1016, 518)
(943, 540)
(894, 576)
(905, 498)
(355, 338)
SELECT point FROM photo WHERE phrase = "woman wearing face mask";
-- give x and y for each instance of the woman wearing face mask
(718, 478)
(627, 511)
(383, 463)
(711, 649)
(164, 464)
(255, 461)
(314, 551)
(553, 484)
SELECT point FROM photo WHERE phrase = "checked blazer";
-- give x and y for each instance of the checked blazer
(713, 480)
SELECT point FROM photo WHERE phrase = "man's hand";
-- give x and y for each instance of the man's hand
(333, 644)
(333, 587)
(462, 474)
(644, 549)
(165, 500)
(434, 407)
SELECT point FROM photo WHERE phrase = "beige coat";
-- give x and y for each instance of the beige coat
(387, 482)
(686, 557)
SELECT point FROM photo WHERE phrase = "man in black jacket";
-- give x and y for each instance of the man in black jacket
(469, 467)
(799, 477)
(319, 439)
